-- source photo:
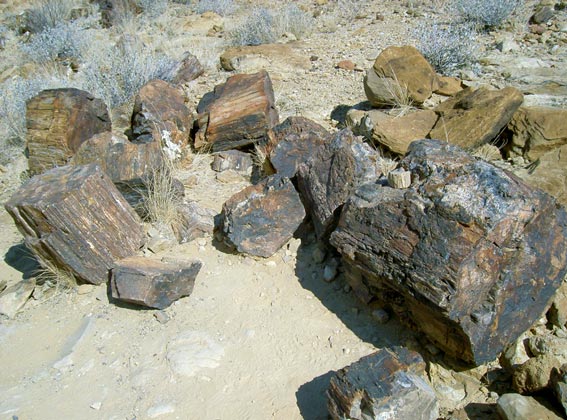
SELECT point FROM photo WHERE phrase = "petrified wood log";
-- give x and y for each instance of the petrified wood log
(151, 283)
(388, 384)
(469, 254)
(238, 113)
(75, 218)
(58, 122)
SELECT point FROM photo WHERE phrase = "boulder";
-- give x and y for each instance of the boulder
(475, 116)
(534, 375)
(332, 174)
(152, 283)
(253, 58)
(160, 115)
(187, 70)
(74, 218)
(404, 67)
(459, 254)
(388, 384)
(519, 407)
(234, 160)
(195, 221)
(58, 121)
(237, 113)
(535, 131)
(261, 218)
(549, 173)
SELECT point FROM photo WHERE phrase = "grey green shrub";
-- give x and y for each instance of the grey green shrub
(48, 14)
(221, 7)
(487, 13)
(152, 8)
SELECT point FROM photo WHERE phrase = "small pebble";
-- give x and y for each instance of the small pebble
(271, 263)
(381, 316)
(96, 405)
(161, 316)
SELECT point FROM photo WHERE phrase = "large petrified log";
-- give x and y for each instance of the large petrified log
(238, 113)
(75, 218)
(388, 384)
(58, 122)
(469, 253)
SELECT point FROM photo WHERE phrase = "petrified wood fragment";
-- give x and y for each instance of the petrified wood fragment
(469, 254)
(58, 122)
(75, 218)
(238, 113)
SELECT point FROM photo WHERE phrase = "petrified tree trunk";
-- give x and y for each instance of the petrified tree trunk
(75, 218)
(238, 113)
(469, 253)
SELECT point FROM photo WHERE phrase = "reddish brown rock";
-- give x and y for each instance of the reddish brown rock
(152, 283)
(238, 113)
(58, 121)
(460, 254)
(261, 218)
(187, 70)
(74, 218)
(449, 86)
(195, 221)
(388, 384)
(233, 160)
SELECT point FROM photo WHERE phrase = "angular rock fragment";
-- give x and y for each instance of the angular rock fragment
(549, 173)
(518, 407)
(15, 297)
(188, 69)
(261, 218)
(449, 86)
(237, 113)
(253, 58)
(58, 121)
(234, 160)
(195, 221)
(151, 283)
(459, 254)
(388, 384)
(534, 375)
(559, 385)
(76, 219)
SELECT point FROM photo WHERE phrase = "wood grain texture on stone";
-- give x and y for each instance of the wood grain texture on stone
(388, 384)
(194, 221)
(261, 218)
(469, 254)
(152, 283)
(237, 113)
(475, 116)
(58, 121)
(75, 218)
(187, 70)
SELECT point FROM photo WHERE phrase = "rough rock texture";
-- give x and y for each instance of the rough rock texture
(194, 222)
(559, 385)
(518, 407)
(475, 116)
(253, 58)
(534, 375)
(404, 67)
(160, 115)
(332, 174)
(536, 131)
(151, 283)
(234, 160)
(15, 297)
(58, 121)
(460, 254)
(75, 218)
(514, 355)
(549, 174)
(388, 384)
(449, 86)
(295, 125)
(188, 69)
(238, 113)
(261, 218)
(557, 314)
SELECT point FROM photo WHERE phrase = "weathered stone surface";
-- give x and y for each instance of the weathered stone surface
(279, 57)
(195, 221)
(75, 218)
(15, 297)
(261, 218)
(402, 66)
(58, 121)
(160, 115)
(152, 283)
(514, 355)
(548, 344)
(187, 70)
(549, 174)
(536, 131)
(475, 116)
(238, 113)
(234, 160)
(519, 407)
(388, 384)
(559, 385)
(332, 174)
(449, 86)
(557, 313)
(399, 178)
(534, 375)
(460, 253)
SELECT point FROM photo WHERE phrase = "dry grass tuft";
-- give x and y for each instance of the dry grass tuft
(61, 279)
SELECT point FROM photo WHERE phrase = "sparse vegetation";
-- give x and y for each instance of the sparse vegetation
(486, 13)
(152, 8)
(48, 14)
(221, 7)
(62, 279)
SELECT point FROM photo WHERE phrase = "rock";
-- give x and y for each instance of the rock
(381, 316)
(397, 133)
(151, 283)
(557, 313)
(346, 65)
(475, 116)
(195, 221)
(388, 384)
(514, 355)
(559, 385)
(449, 86)
(466, 240)
(549, 173)
(518, 407)
(3, 285)
(187, 70)
(295, 125)
(331, 270)
(537, 130)
(15, 297)
(404, 67)
(254, 58)
(542, 15)
(330, 176)
(534, 375)
(540, 345)
(233, 160)
(160, 115)
(58, 121)
(399, 178)
(238, 113)
(74, 218)
(260, 219)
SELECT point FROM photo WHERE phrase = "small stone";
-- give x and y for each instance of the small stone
(318, 255)
(399, 178)
(161, 316)
(271, 263)
(518, 407)
(514, 355)
(15, 297)
(96, 405)
(3, 285)
(534, 375)
(381, 316)
(346, 65)
(330, 270)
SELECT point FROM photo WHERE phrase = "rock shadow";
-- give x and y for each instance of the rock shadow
(312, 399)
(22, 259)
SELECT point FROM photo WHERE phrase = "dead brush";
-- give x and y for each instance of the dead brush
(59, 278)
(400, 101)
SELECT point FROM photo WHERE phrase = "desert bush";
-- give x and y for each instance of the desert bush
(291, 19)
(48, 14)
(221, 7)
(487, 13)
(448, 48)
(152, 8)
